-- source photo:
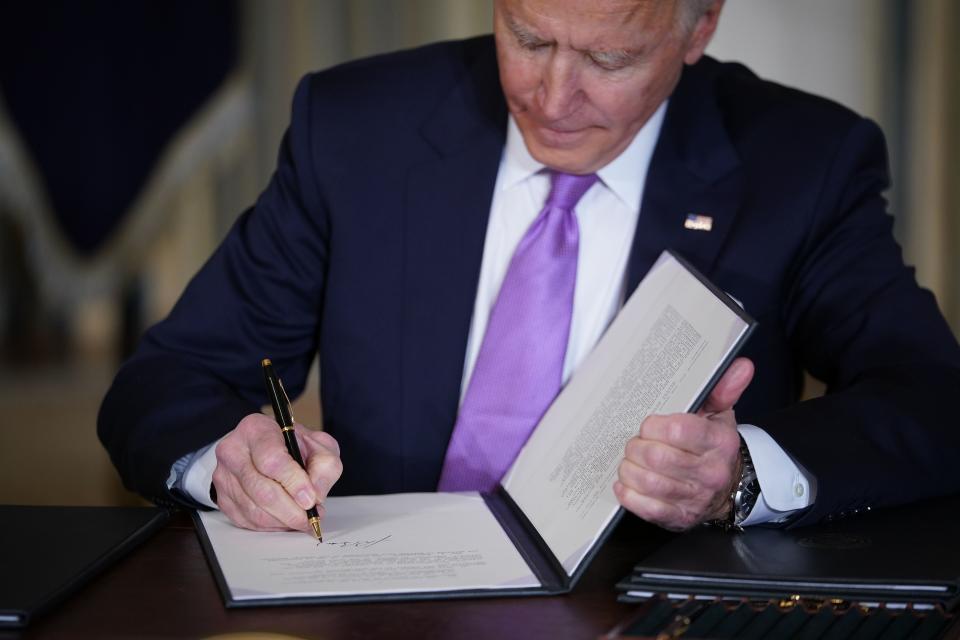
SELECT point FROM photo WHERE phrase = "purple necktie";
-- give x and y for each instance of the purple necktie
(520, 365)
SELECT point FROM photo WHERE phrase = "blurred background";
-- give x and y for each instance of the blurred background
(133, 134)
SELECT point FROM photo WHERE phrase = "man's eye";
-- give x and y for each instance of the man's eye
(530, 43)
(613, 60)
(607, 64)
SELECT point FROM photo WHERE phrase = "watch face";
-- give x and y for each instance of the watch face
(748, 487)
(747, 493)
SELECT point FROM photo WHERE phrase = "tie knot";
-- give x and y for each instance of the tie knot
(566, 189)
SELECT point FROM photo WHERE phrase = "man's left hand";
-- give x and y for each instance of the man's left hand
(679, 469)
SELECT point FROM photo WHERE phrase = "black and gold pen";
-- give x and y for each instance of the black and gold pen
(284, 416)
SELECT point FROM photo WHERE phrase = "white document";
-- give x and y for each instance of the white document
(658, 356)
(401, 543)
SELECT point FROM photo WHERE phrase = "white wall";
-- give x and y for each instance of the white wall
(833, 48)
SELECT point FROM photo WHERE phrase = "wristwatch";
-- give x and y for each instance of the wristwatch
(744, 494)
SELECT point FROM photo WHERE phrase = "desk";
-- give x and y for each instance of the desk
(165, 589)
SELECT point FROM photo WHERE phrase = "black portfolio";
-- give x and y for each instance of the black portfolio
(46, 553)
(907, 555)
(893, 574)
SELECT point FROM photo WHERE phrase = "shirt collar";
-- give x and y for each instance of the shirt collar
(624, 175)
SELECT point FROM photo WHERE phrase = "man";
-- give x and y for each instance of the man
(403, 188)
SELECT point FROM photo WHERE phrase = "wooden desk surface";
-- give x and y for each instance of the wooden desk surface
(165, 589)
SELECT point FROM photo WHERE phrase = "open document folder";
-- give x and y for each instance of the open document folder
(662, 353)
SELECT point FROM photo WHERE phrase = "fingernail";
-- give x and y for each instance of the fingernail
(304, 500)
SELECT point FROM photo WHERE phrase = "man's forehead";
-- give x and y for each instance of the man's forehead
(610, 11)
(602, 18)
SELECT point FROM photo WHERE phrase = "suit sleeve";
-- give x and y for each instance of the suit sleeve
(884, 432)
(196, 374)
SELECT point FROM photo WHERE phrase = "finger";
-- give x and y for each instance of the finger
(233, 512)
(663, 514)
(260, 502)
(272, 460)
(730, 387)
(310, 439)
(263, 501)
(238, 515)
(324, 469)
(324, 466)
(233, 459)
(661, 457)
(226, 503)
(685, 431)
(655, 485)
(269, 496)
(696, 478)
(240, 507)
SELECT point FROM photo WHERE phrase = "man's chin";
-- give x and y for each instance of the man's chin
(576, 152)
(578, 160)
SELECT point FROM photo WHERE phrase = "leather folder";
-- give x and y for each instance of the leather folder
(900, 556)
(47, 553)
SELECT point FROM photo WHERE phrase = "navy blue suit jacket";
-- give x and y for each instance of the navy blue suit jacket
(367, 244)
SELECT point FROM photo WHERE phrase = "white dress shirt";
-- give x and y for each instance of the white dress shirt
(607, 218)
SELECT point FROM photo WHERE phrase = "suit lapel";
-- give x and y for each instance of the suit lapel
(447, 206)
(694, 170)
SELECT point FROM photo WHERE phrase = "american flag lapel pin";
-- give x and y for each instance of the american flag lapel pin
(698, 222)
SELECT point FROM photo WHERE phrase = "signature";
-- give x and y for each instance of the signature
(355, 544)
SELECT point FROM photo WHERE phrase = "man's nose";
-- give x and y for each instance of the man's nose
(559, 92)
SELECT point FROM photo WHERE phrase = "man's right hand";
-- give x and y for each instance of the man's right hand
(259, 486)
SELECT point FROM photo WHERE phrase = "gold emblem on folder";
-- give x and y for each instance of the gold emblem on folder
(697, 222)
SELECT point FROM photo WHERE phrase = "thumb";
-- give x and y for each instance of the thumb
(323, 462)
(731, 386)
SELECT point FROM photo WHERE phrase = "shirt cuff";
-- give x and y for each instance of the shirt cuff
(785, 487)
(193, 474)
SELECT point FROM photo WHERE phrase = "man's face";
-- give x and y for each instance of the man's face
(581, 77)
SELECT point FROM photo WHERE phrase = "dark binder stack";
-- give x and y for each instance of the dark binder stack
(803, 619)
(892, 573)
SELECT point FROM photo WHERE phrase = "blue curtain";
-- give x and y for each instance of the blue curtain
(96, 89)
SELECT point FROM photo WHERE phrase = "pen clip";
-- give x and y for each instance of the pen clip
(286, 399)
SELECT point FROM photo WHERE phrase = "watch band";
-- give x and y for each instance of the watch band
(744, 494)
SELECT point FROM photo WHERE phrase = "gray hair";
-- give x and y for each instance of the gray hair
(690, 12)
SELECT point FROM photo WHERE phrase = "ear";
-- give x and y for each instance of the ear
(702, 32)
